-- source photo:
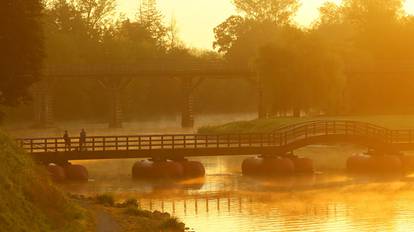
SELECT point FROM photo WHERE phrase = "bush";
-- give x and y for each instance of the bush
(133, 211)
(131, 202)
(173, 224)
(105, 199)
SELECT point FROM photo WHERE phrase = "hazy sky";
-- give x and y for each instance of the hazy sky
(197, 18)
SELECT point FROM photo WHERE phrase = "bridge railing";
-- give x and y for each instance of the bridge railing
(319, 128)
(282, 137)
(147, 142)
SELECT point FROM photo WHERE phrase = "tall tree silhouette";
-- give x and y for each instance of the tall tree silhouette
(151, 18)
(21, 46)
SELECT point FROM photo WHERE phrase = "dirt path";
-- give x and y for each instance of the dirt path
(105, 223)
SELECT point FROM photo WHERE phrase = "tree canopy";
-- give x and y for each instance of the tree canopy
(341, 64)
(21, 46)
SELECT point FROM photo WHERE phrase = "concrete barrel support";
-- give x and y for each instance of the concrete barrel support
(56, 172)
(163, 169)
(76, 172)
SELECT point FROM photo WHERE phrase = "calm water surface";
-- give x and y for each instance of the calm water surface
(226, 201)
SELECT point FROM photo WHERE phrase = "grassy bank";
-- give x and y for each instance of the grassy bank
(129, 216)
(28, 199)
(269, 125)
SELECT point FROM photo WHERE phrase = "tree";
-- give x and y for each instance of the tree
(151, 18)
(21, 46)
(96, 12)
(370, 35)
(296, 72)
(258, 23)
(276, 11)
(295, 66)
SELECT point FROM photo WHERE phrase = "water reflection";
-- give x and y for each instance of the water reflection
(227, 201)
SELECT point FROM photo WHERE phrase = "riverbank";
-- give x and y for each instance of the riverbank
(271, 124)
(127, 215)
(29, 200)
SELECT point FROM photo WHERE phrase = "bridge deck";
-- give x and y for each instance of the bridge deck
(179, 145)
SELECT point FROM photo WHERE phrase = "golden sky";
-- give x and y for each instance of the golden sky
(197, 18)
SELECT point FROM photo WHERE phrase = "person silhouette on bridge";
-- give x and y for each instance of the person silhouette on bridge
(66, 138)
(82, 139)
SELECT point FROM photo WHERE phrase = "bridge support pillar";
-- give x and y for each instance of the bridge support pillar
(187, 116)
(261, 112)
(115, 88)
(43, 105)
(116, 112)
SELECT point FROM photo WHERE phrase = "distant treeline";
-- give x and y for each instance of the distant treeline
(350, 61)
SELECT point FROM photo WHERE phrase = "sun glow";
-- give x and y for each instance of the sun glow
(196, 19)
(409, 7)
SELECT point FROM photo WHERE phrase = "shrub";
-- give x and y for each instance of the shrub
(133, 211)
(173, 224)
(105, 199)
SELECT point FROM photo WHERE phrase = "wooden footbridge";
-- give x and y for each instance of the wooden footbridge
(115, 78)
(176, 146)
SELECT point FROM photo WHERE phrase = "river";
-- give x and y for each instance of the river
(225, 200)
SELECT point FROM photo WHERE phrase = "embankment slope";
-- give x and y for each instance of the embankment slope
(28, 200)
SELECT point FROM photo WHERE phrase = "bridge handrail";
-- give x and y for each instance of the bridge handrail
(283, 136)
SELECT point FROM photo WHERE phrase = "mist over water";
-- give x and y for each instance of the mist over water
(159, 125)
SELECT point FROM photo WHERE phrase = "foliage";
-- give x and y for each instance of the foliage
(276, 11)
(172, 224)
(130, 203)
(240, 36)
(315, 69)
(372, 37)
(105, 199)
(294, 65)
(134, 211)
(21, 46)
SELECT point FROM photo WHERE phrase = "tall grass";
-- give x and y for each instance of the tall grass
(28, 200)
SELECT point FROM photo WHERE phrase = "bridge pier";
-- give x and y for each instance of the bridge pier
(115, 88)
(187, 113)
(171, 168)
(261, 112)
(116, 117)
(43, 104)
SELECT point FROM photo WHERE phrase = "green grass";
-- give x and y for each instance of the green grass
(271, 124)
(28, 200)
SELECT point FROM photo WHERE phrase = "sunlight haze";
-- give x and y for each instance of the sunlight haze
(209, 13)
